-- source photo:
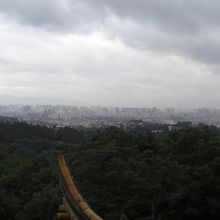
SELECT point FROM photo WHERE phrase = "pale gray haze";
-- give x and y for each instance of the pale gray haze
(110, 52)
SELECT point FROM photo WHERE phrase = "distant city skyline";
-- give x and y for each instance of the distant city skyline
(96, 116)
(112, 53)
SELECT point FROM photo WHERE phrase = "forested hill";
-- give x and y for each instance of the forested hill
(170, 175)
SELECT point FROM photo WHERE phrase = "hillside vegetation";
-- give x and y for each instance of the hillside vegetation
(158, 176)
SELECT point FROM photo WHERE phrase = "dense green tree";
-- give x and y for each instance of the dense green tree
(156, 176)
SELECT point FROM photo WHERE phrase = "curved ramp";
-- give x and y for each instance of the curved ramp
(74, 205)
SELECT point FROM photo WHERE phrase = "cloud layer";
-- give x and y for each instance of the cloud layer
(133, 53)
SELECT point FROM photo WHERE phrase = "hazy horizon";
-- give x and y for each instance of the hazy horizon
(44, 101)
(110, 53)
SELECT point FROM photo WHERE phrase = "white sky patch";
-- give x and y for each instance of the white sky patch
(94, 68)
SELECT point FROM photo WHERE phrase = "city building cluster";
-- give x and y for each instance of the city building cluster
(96, 116)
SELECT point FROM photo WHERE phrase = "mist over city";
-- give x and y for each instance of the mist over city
(99, 116)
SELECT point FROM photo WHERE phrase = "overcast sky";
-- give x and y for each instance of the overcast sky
(110, 52)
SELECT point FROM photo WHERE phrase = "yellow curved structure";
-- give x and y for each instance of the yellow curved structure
(74, 195)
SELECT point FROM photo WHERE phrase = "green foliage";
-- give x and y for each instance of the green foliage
(29, 185)
(158, 176)
(151, 176)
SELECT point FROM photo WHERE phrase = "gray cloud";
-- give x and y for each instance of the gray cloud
(170, 15)
(38, 13)
(174, 26)
(53, 15)
(97, 49)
